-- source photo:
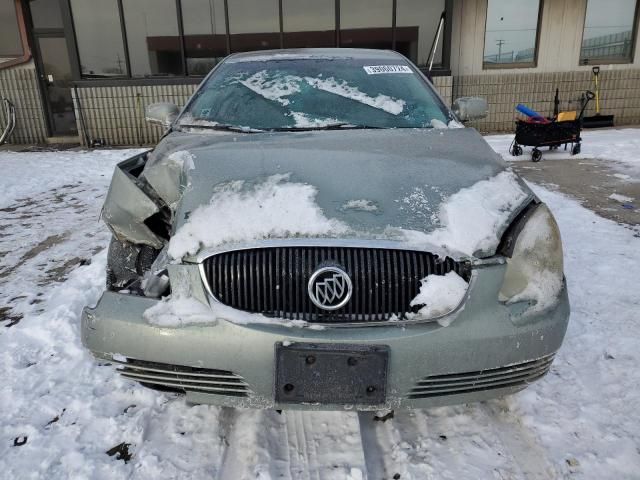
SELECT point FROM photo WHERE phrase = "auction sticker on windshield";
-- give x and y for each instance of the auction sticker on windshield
(377, 69)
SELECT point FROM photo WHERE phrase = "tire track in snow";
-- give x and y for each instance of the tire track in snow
(256, 446)
(294, 445)
(391, 449)
(325, 445)
(426, 444)
(521, 442)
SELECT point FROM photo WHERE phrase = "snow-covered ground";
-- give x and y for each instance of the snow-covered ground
(620, 148)
(61, 411)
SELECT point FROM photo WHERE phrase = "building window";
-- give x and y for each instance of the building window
(152, 37)
(309, 23)
(45, 14)
(511, 33)
(141, 38)
(205, 34)
(366, 23)
(99, 37)
(254, 25)
(416, 26)
(10, 42)
(608, 32)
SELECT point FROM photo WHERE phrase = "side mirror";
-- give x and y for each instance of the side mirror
(162, 114)
(470, 108)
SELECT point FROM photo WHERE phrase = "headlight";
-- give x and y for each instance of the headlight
(535, 270)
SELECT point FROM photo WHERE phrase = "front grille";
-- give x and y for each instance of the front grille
(520, 374)
(163, 376)
(273, 281)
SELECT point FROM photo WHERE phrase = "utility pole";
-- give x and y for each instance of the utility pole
(500, 42)
(119, 62)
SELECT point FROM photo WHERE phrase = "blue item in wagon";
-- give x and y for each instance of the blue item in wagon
(532, 114)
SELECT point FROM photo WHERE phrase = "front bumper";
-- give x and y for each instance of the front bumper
(483, 351)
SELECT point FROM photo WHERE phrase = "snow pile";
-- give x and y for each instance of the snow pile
(178, 312)
(621, 198)
(361, 205)
(274, 87)
(182, 159)
(302, 120)
(343, 89)
(472, 218)
(440, 295)
(439, 124)
(275, 208)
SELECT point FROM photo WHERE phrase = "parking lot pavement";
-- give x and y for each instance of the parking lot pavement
(593, 182)
(604, 177)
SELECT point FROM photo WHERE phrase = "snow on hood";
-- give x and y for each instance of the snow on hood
(443, 190)
(275, 208)
(471, 220)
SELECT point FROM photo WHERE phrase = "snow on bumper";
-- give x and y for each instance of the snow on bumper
(483, 337)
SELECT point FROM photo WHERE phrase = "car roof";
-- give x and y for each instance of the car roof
(304, 53)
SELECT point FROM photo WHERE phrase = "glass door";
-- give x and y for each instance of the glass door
(54, 66)
(56, 73)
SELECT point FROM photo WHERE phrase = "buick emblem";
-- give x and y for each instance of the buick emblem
(330, 288)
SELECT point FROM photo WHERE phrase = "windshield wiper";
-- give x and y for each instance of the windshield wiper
(221, 126)
(331, 126)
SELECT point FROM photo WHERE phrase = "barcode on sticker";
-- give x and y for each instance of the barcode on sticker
(376, 69)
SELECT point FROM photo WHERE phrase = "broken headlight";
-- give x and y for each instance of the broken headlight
(534, 274)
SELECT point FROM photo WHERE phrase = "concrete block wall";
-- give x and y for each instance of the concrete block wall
(115, 115)
(20, 85)
(444, 86)
(619, 94)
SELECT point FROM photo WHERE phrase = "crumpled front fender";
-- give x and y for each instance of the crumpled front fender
(127, 206)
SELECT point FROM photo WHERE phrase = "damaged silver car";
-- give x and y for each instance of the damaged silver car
(318, 230)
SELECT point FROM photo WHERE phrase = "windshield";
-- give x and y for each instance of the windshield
(312, 93)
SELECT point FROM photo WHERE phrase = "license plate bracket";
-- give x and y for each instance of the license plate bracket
(331, 373)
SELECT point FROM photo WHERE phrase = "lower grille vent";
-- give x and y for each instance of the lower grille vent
(178, 378)
(502, 377)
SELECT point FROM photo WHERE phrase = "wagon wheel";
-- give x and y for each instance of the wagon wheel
(536, 155)
(576, 149)
(516, 150)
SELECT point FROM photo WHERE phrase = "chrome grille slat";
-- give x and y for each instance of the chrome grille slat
(195, 387)
(171, 372)
(476, 388)
(494, 371)
(481, 380)
(180, 378)
(183, 378)
(501, 377)
(273, 280)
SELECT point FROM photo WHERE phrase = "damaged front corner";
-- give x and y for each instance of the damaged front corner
(126, 208)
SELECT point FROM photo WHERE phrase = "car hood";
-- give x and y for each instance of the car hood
(372, 181)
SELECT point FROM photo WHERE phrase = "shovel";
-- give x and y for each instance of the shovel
(597, 120)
